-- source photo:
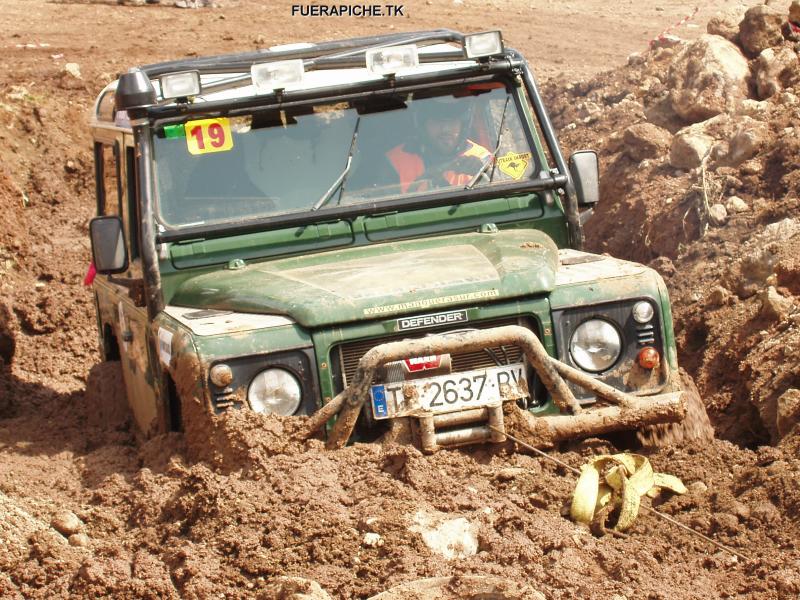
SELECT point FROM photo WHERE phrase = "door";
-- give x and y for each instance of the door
(121, 296)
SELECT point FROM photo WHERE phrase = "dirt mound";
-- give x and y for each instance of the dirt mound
(702, 201)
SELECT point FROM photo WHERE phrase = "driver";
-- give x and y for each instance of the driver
(442, 156)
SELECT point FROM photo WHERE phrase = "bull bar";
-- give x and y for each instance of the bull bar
(626, 411)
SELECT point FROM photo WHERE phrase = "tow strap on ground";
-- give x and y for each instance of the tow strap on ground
(617, 481)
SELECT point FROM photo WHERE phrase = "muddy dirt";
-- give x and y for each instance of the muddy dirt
(89, 510)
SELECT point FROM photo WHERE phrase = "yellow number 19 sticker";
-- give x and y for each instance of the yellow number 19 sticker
(209, 135)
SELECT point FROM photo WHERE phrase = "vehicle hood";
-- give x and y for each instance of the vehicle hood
(377, 281)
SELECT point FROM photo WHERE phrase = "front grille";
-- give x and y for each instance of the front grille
(347, 355)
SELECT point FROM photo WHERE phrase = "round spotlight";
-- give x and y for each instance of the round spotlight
(221, 375)
(643, 312)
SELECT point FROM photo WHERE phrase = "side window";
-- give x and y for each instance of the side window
(131, 171)
(107, 179)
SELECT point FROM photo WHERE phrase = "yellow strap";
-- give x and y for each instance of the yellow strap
(620, 479)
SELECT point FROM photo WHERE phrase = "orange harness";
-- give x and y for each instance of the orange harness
(409, 166)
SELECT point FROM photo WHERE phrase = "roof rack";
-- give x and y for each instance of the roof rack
(333, 54)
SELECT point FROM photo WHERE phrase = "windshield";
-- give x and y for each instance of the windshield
(299, 160)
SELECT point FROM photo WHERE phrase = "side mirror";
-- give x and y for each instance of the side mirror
(585, 171)
(108, 245)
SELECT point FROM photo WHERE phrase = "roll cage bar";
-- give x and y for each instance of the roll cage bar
(338, 54)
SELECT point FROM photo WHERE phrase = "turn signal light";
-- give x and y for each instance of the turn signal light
(648, 358)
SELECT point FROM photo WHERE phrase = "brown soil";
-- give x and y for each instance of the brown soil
(259, 505)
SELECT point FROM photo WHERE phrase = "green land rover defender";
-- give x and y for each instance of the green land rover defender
(378, 232)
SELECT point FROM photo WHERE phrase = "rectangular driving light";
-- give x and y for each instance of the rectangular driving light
(386, 61)
(180, 85)
(278, 75)
(487, 43)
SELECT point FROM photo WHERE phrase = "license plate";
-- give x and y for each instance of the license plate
(449, 393)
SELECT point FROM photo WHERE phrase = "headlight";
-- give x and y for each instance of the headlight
(595, 345)
(274, 391)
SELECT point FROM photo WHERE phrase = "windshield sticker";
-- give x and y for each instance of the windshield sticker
(514, 164)
(209, 135)
(430, 302)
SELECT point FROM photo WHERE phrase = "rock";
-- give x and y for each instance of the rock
(509, 473)
(760, 29)
(788, 416)
(694, 143)
(689, 148)
(292, 588)
(718, 214)
(645, 140)
(718, 297)
(452, 538)
(707, 78)
(775, 70)
(697, 488)
(773, 305)
(80, 540)
(736, 205)
(724, 26)
(73, 69)
(372, 540)
(755, 109)
(66, 523)
(746, 142)
(794, 11)
(756, 267)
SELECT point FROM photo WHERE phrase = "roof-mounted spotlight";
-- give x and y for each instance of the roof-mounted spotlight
(180, 85)
(390, 60)
(479, 45)
(271, 76)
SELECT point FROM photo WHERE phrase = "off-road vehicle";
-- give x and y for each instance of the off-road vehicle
(278, 234)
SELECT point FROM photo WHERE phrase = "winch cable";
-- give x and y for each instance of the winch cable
(658, 513)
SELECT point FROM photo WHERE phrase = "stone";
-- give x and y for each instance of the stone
(724, 26)
(788, 412)
(755, 109)
(773, 305)
(452, 538)
(718, 214)
(645, 140)
(707, 78)
(718, 297)
(79, 540)
(509, 473)
(293, 588)
(775, 70)
(760, 29)
(794, 11)
(689, 148)
(66, 523)
(748, 139)
(372, 540)
(73, 69)
(755, 268)
(697, 488)
(736, 205)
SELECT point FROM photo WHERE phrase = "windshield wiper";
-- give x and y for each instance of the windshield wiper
(492, 158)
(340, 180)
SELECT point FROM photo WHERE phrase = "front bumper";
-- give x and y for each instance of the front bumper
(617, 410)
